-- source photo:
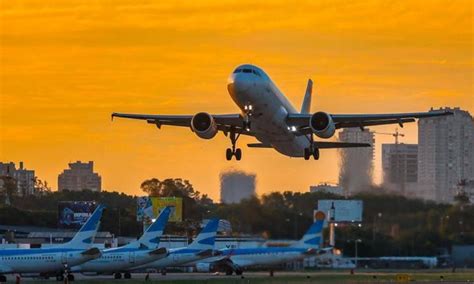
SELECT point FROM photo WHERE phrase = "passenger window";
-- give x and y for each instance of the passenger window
(247, 70)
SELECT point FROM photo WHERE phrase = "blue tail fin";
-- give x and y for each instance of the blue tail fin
(85, 236)
(313, 237)
(151, 237)
(207, 237)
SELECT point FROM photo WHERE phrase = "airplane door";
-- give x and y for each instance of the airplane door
(131, 257)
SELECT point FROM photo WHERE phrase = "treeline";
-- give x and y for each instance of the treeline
(393, 225)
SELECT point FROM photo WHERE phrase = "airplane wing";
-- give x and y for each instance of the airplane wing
(159, 251)
(301, 120)
(94, 252)
(224, 122)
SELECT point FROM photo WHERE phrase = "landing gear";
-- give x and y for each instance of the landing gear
(237, 152)
(239, 272)
(127, 275)
(59, 277)
(118, 275)
(70, 277)
(311, 151)
(308, 152)
(3, 279)
(163, 272)
(229, 271)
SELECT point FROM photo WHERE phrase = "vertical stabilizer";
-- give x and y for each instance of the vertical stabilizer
(313, 237)
(151, 237)
(306, 106)
(206, 238)
(85, 236)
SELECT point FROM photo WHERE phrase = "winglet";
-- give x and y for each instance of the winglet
(306, 106)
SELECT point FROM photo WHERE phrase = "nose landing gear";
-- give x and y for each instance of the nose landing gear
(237, 152)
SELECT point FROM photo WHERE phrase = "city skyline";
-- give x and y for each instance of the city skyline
(65, 70)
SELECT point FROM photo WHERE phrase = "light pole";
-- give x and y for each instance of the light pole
(356, 253)
(379, 215)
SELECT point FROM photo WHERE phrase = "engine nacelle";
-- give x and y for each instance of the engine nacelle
(203, 267)
(204, 125)
(322, 125)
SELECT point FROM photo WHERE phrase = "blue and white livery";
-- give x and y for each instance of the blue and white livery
(202, 247)
(235, 260)
(142, 251)
(55, 259)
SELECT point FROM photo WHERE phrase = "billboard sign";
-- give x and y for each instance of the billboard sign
(149, 208)
(342, 210)
(73, 214)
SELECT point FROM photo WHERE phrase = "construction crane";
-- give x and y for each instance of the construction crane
(396, 134)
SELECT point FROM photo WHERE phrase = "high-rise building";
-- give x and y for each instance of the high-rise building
(400, 168)
(24, 178)
(445, 154)
(237, 185)
(79, 176)
(357, 164)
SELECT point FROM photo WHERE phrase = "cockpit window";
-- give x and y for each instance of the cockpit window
(248, 70)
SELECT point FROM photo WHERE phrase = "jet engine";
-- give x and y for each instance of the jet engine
(204, 125)
(322, 125)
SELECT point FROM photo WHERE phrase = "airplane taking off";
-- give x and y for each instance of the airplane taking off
(268, 115)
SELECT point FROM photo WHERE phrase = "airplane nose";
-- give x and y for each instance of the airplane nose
(238, 83)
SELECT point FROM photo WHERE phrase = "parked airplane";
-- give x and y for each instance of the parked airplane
(142, 251)
(236, 260)
(202, 247)
(268, 115)
(55, 259)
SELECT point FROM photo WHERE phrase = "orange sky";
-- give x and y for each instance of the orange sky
(66, 65)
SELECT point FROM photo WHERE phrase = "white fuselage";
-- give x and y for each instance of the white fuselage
(117, 260)
(176, 257)
(40, 260)
(245, 257)
(269, 110)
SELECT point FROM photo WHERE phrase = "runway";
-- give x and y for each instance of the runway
(324, 276)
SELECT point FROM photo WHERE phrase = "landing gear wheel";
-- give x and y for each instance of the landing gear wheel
(316, 154)
(70, 277)
(127, 275)
(117, 275)
(163, 272)
(239, 272)
(233, 151)
(229, 154)
(229, 272)
(3, 278)
(238, 154)
(307, 153)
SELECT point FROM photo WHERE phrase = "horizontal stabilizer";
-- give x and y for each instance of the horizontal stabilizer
(331, 145)
(92, 252)
(159, 251)
(311, 251)
(259, 145)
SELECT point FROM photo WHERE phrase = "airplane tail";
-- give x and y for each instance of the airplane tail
(312, 238)
(151, 237)
(206, 238)
(85, 236)
(306, 106)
